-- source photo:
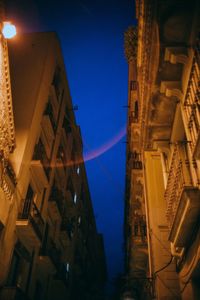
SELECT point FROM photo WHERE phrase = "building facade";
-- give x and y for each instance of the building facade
(163, 152)
(49, 244)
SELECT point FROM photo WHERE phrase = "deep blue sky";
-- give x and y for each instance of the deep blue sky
(91, 34)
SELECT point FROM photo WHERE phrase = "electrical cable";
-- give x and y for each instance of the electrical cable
(161, 269)
(155, 274)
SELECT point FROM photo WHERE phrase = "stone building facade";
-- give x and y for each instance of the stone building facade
(49, 244)
(163, 151)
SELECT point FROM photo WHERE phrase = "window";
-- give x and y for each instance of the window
(133, 85)
(27, 203)
(78, 170)
(136, 109)
(49, 112)
(75, 198)
(57, 82)
(79, 220)
(66, 124)
(67, 267)
(1, 228)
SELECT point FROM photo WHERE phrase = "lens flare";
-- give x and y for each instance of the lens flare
(105, 147)
(96, 152)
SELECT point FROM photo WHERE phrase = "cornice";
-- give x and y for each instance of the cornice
(130, 43)
(7, 140)
(145, 30)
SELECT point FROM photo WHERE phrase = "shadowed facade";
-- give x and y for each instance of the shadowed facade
(50, 247)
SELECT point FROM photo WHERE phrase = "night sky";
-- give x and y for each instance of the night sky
(91, 35)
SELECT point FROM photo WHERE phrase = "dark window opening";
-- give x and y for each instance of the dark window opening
(27, 203)
(1, 228)
(49, 112)
(40, 154)
(57, 82)
(133, 85)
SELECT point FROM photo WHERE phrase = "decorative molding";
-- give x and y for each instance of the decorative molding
(171, 88)
(176, 55)
(7, 139)
(130, 43)
(145, 36)
(7, 179)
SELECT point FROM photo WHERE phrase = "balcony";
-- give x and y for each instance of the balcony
(67, 138)
(40, 165)
(56, 203)
(57, 84)
(12, 293)
(30, 225)
(50, 254)
(139, 230)
(68, 225)
(134, 160)
(61, 172)
(182, 198)
(49, 113)
(54, 210)
(79, 143)
(49, 127)
(191, 104)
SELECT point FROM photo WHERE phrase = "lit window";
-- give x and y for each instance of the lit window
(79, 220)
(67, 267)
(78, 170)
(75, 198)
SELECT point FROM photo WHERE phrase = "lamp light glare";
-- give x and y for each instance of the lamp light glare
(9, 30)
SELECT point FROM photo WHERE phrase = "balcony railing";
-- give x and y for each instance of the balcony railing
(178, 179)
(192, 104)
(182, 198)
(49, 111)
(139, 229)
(31, 213)
(57, 196)
(50, 249)
(40, 154)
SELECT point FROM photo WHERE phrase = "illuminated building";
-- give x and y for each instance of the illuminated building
(162, 210)
(49, 247)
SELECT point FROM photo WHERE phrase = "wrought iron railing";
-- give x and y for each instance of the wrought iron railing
(40, 154)
(30, 212)
(179, 178)
(192, 99)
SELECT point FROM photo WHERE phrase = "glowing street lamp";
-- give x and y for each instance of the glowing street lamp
(8, 30)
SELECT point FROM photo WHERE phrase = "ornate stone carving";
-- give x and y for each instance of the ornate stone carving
(7, 178)
(176, 55)
(7, 140)
(171, 88)
(130, 43)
